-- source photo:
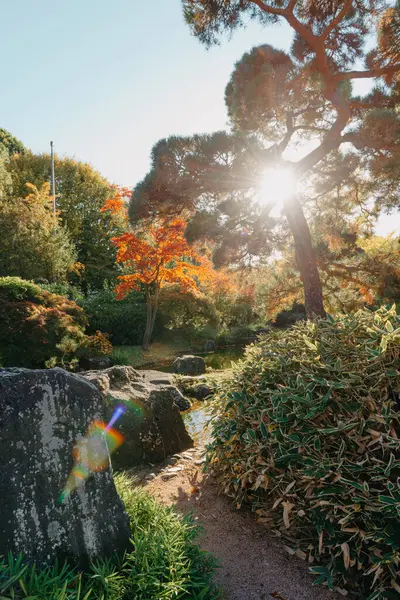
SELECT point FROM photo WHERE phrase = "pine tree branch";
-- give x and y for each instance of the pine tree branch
(377, 72)
(270, 9)
(331, 141)
(290, 129)
(383, 103)
(339, 17)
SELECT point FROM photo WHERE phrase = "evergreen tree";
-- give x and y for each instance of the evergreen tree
(11, 143)
(275, 101)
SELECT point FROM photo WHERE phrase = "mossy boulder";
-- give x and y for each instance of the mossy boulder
(189, 365)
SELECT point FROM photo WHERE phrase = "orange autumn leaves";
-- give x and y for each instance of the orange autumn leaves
(116, 204)
(161, 257)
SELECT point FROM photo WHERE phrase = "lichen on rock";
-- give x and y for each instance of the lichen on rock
(43, 414)
(152, 425)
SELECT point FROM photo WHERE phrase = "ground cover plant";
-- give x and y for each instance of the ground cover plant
(308, 436)
(164, 563)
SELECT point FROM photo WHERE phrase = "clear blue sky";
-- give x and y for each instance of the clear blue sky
(106, 79)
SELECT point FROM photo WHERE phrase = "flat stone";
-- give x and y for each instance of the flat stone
(175, 469)
(187, 457)
(171, 461)
(157, 377)
(201, 461)
(150, 476)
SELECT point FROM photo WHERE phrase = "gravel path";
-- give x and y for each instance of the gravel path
(253, 564)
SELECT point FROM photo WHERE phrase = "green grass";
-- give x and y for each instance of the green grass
(160, 353)
(165, 562)
(127, 355)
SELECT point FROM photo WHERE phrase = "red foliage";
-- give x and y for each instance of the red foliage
(162, 257)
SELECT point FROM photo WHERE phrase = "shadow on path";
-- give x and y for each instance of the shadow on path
(253, 564)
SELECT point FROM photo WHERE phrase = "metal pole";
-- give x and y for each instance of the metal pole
(53, 180)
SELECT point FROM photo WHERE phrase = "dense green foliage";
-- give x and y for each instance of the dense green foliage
(40, 329)
(309, 436)
(123, 320)
(81, 193)
(33, 243)
(11, 143)
(164, 563)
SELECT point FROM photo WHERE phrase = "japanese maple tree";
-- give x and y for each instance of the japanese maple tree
(116, 204)
(159, 258)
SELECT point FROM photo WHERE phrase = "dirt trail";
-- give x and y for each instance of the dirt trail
(254, 566)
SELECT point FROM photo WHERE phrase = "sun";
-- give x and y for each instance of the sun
(276, 186)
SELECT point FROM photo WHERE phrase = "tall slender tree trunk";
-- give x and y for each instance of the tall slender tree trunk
(149, 320)
(151, 313)
(305, 258)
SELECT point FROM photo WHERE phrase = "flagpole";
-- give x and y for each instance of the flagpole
(53, 181)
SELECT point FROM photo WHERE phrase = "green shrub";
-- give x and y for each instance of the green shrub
(285, 318)
(164, 563)
(237, 336)
(40, 329)
(186, 312)
(126, 355)
(123, 320)
(308, 435)
(63, 289)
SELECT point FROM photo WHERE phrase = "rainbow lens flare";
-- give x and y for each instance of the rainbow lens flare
(92, 453)
(118, 412)
(136, 406)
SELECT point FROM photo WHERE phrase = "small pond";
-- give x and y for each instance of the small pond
(198, 416)
(197, 420)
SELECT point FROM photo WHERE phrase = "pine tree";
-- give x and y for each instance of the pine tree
(275, 100)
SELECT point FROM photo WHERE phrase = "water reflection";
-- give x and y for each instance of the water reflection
(197, 420)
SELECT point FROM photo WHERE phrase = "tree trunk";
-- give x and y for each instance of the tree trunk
(155, 308)
(149, 322)
(305, 258)
(151, 313)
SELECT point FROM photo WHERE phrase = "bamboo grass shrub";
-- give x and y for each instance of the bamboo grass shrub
(307, 434)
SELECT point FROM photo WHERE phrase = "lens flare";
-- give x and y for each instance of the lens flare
(118, 412)
(136, 406)
(91, 454)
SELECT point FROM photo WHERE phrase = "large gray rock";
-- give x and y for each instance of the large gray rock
(43, 414)
(161, 378)
(189, 365)
(195, 387)
(152, 424)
